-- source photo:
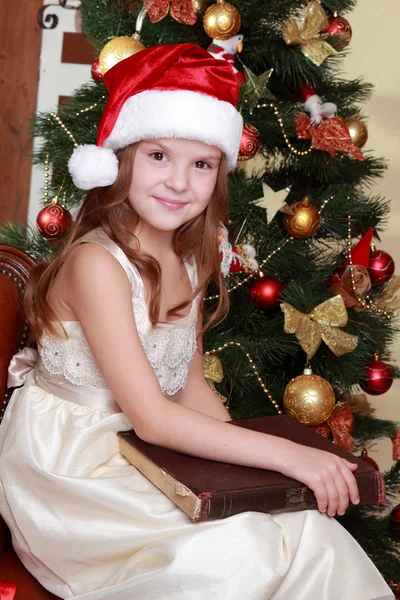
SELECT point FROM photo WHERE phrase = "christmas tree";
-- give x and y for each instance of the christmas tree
(312, 303)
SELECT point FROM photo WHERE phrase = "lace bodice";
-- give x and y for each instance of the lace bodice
(170, 347)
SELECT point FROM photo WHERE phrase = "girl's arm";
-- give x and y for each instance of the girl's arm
(197, 394)
(99, 294)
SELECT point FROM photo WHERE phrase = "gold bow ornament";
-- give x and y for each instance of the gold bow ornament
(322, 323)
(213, 373)
(307, 35)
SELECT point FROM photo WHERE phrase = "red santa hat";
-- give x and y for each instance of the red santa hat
(314, 105)
(166, 91)
(360, 252)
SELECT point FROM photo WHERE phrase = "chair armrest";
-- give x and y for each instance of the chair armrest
(15, 266)
(4, 535)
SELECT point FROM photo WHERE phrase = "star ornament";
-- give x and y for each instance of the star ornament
(272, 201)
(255, 87)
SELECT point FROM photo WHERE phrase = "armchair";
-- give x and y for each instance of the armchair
(15, 266)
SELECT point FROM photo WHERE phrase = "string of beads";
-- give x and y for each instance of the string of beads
(59, 121)
(64, 127)
(253, 367)
(366, 302)
(254, 273)
(285, 136)
(325, 202)
(80, 112)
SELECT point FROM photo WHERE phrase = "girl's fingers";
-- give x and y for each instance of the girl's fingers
(352, 466)
(321, 496)
(333, 496)
(343, 490)
(351, 484)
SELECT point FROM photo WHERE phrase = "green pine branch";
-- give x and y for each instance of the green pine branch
(302, 266)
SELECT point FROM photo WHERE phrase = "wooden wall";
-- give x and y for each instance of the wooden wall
(20, 39)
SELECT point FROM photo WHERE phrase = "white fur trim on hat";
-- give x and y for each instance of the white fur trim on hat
(93, 166)
(178, 114)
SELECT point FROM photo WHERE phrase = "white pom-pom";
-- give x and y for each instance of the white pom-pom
(93, 166)
(312, 101)
(249, 250)
(253, 264)
(328, 109)
(313, 106)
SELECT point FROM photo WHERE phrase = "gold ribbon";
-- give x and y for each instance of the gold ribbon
(321, 324)
(308, 34)
(213, 373)
(389, 300)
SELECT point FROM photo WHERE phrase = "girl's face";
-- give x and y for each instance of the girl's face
(172, 181)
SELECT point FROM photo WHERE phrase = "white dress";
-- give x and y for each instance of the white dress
(88, 525)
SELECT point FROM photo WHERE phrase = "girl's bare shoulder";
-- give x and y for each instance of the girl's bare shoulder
(88, 269)
(90, 256)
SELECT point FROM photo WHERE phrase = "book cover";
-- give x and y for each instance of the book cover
(206, 489)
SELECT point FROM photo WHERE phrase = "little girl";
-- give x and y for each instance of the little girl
(118, 317)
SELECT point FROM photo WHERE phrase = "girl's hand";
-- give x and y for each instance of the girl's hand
(327, 475)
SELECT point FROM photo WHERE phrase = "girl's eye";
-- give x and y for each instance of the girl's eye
(201, 164)
(158, 156)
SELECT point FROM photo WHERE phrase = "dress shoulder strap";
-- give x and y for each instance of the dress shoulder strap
(192, 270)
(99, 236)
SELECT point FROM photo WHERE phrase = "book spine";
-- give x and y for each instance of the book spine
(372, 488)
(283, 499)
(261, 500)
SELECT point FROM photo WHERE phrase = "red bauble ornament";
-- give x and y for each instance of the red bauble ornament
(395, 521)
(96, 72)
(53, 221)
(250, 142)
(341, 27)
(370, 461)
(379, 377)
(266, 292)
(380, 267)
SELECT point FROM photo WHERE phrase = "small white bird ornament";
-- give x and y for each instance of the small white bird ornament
(226, 50)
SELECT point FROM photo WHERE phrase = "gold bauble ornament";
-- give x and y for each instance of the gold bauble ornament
(302, 219)
(358, 131)
(118, 49)
(222, 20)
(309, 398)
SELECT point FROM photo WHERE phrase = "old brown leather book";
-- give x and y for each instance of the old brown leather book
(206, 489)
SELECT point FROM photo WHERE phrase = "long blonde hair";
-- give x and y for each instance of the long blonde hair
(110, 209)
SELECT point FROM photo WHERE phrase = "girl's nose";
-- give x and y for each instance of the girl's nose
(177, 178)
